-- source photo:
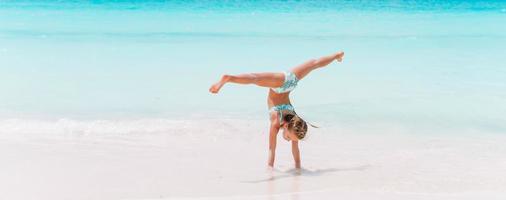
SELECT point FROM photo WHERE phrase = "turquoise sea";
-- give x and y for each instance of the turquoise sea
(428, 64)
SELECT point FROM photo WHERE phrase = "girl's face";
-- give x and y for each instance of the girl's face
(289, 135)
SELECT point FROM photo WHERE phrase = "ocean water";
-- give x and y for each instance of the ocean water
(435, 65)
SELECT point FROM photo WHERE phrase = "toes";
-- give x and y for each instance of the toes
(340, 57)
(213, 89)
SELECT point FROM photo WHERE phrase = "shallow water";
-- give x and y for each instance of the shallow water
(436, 65)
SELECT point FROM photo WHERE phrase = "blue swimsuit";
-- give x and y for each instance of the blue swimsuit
(279, 108)
(289, 84)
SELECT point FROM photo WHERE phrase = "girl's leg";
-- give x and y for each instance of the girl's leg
(261, 79)
(302, 70)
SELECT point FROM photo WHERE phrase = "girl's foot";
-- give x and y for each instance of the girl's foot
(339, 56)
(215, 88)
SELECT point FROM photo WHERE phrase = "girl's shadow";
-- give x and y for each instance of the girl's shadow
(308, 172)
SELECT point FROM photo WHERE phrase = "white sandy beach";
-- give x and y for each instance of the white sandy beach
(225, 159)
(108, 100)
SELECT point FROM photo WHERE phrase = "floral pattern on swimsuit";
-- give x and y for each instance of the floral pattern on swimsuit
(289, 84)
(279, 108)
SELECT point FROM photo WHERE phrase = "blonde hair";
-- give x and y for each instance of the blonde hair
(296, 124)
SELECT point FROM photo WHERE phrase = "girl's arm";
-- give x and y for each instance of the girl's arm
(273, 132)
(296, 154)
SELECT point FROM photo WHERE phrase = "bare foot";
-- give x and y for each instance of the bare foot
(339, 56)
(215, 88)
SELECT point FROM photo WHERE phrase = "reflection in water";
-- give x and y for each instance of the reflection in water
(294, 177)
(271, 185)
(305, 172)
(295, 188)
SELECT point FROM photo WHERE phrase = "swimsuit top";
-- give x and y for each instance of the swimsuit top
(279, 108)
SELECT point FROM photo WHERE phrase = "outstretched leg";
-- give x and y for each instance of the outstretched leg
(261, 79)
(274, 80)
(302, 70)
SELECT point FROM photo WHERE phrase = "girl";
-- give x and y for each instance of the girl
(282, 113)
